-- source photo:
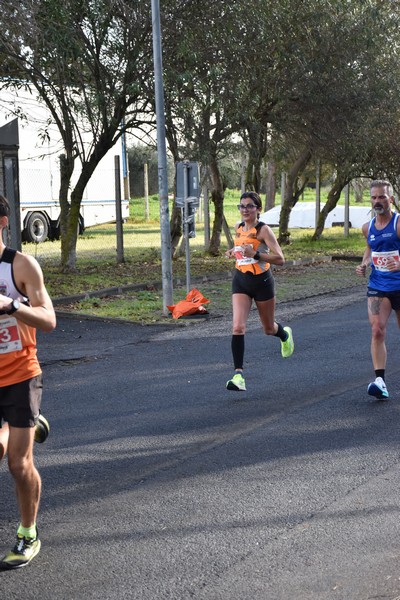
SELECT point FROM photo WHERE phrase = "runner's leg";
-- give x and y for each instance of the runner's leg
(4, 431)
(266, 310)
(379, 310)
(241, 305)
(22, 468)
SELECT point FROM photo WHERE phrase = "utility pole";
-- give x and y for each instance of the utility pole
(118, 211)
(166, 258)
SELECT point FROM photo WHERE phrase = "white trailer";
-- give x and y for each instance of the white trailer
(39, 206)
(39, 174)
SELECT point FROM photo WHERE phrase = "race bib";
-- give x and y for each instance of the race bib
(242, 260)
(10, 340)
(379, 259)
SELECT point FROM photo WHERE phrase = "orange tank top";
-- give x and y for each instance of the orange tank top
(18, 357)
(246, 264)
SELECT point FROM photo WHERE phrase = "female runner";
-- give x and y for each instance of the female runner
(256, 249)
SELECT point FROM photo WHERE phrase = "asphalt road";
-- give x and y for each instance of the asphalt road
(160, 484)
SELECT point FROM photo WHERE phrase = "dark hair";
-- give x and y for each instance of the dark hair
(4, 207)
(254, 196)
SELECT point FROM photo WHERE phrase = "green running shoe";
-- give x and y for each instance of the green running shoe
(237, 383)
(42, 429)
(287, 347)
(21, 555)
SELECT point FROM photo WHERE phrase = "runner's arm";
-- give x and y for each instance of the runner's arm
(29, 279)
(274, 256)
(366, 259)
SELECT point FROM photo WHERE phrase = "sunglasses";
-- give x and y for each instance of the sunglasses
(246, 206)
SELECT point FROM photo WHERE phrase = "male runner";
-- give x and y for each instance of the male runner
(25, 306)
(382, 254)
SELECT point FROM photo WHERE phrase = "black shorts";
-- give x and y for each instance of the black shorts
(394, 297)
(259, 287)
(20, 402)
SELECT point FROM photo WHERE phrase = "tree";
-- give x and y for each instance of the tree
(207, 100)
(330, 81)
(88, 61)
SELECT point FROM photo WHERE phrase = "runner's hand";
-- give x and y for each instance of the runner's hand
(392, 264)
(361, 270)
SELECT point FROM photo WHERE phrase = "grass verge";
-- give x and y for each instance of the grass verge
(209, 274)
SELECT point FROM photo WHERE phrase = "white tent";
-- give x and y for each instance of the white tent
(303, 216)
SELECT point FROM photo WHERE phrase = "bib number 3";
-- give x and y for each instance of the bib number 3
(10, 340)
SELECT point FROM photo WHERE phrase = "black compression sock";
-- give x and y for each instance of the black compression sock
(281, 333)
(238, 350)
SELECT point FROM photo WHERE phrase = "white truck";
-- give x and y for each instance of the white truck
(39, 173)
(40, 208)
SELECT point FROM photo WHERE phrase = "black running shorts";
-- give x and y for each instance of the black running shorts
(259, 287)
(394, 297)
(20, 402)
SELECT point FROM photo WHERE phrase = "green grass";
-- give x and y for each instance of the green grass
(97, 268)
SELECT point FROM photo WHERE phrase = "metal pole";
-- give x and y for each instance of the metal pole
(186, 225)
(166, 258)
(146, 192)
(346, 210)
(118, 211)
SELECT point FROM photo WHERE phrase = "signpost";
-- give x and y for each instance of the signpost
(187, 198)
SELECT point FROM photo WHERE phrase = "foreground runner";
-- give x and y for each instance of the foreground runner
(256, 249)
(382, 253)
(24, 306)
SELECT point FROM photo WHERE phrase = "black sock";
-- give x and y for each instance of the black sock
(380, 373)
(238, 350)
(281, 333)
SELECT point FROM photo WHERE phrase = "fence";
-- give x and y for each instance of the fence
(100, 241)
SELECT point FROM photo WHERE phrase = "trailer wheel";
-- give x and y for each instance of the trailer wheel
(37, 228)
(55, 234)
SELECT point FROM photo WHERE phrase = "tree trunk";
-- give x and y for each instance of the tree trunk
(271, 185)
(66, 171)
(70, 235)
(333, 198)
(217, 196)
(359, 185)
(256, 143)
(248, 183)
(176, 229)
(293, 191)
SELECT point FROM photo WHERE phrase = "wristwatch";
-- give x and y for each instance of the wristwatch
(15, 304)
(257, 255)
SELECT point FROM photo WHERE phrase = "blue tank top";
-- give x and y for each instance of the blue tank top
(384, 243)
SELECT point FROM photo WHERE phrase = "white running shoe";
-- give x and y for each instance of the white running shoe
(378, 389)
